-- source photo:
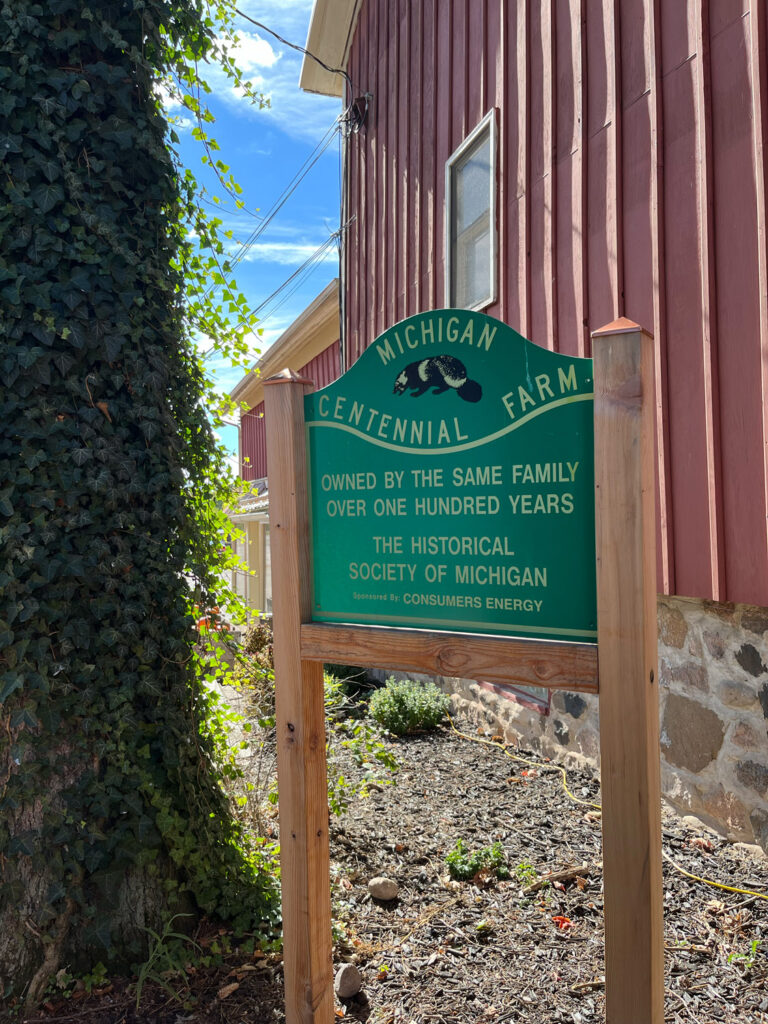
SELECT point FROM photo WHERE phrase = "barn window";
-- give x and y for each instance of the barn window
(470, 189)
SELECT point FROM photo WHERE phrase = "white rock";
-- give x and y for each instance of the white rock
(382, 888)
(348, 981)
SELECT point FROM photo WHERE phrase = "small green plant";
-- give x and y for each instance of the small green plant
(404, 706)
(63, 984)
(463, 865)
(526, 873)
(362, 741)
(166, 958)
(747, 960)
(95, 978)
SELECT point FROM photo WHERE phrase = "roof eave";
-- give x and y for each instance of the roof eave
(328, 39)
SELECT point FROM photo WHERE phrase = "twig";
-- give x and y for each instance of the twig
(557, 876)
(588, 986)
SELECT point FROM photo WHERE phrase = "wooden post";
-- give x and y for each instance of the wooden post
(300, 714)
(629, 705)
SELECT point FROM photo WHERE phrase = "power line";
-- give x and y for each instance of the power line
(300, 49)
(298, 276)
(316, 257)
(287, 192)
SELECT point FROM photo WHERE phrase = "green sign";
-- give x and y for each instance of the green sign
(451, 476)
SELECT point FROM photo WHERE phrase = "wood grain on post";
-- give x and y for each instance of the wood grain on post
(300, 717)
(629, 705)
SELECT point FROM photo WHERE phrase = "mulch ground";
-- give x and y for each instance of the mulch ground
(487, 951)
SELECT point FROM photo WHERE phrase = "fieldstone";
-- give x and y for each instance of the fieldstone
(692, 735)
(588, 743)
(692, 674)
(562, 735)
(758, 819)
(382, 888)
(715, 644)
(755, 620)
(721, 806)
(736, 695)
(726, 612)
(763, 695)
(710, 803)
(673, 629)
(753, 775)
(574, 705)
(348, 981)
(746, 737)
(749, 658)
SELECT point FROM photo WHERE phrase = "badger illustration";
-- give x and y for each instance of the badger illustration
(438, 373)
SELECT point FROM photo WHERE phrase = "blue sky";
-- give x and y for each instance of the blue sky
(265, 149)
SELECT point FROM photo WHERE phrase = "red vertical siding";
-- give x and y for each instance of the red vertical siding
(253, 442)
(633, 180)
(323, 370)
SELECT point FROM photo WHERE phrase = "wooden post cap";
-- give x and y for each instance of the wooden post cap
(620, 326)
(287, 376)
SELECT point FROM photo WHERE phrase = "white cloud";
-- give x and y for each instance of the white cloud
(252, 52)
(274, 69)
(288, 253)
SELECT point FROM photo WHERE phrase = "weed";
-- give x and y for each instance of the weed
(405, 706)
(746, 960)
(168, 954)
(63, 984)
(463, 865)
(95, 977)
(526, 873)
(360, 740)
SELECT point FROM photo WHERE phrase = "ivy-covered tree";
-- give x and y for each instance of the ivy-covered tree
(112, 813)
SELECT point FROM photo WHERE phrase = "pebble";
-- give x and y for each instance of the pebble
(348, 981)
(382, 888)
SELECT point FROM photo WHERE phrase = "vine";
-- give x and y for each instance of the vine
(112, 489)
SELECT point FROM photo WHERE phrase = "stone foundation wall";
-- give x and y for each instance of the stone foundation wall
(713, 667)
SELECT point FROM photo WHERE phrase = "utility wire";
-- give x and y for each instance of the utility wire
(298, 276)
(287, 192)
(300, 49)
(316, 257)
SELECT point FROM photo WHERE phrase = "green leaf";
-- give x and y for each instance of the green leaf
(80, 456)
(9, 683)
(47, 196)
(24, 717)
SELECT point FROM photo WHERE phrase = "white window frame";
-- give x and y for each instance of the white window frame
(488, 123)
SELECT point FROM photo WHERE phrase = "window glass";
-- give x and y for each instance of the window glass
(471, 241)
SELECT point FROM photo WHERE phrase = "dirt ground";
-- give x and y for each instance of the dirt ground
(484, 951)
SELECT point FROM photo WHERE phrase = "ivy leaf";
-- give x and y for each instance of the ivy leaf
(9, 683)
(80, 456)
(63, 363)
(50, 168)
(9, 144)
(47, 196)
(24, 717)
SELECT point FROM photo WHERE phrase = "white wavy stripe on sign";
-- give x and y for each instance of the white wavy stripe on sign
(448, 449)
(407, 619)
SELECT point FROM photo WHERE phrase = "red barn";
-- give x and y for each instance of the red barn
(558, 164)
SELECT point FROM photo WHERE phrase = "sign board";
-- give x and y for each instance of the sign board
(451, 484)
(451, 473)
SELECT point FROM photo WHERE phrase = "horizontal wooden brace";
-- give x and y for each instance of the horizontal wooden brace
(552, 664)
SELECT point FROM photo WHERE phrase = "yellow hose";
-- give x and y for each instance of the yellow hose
(588, 803)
